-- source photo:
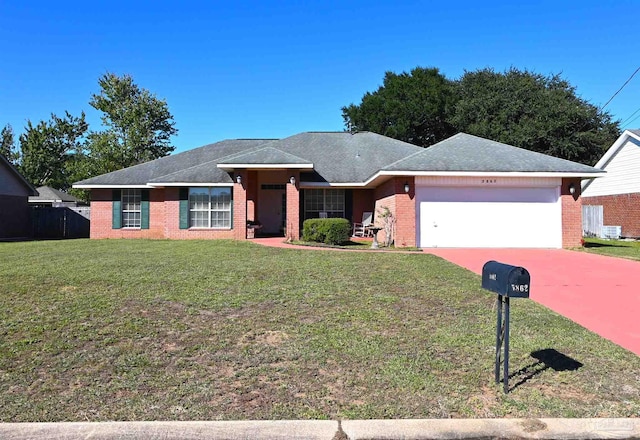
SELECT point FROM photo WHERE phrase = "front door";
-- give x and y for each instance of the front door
(271, 208)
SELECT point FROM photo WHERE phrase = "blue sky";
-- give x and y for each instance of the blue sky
(272, 69)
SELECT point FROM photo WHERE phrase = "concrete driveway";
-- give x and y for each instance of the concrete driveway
(600, 293)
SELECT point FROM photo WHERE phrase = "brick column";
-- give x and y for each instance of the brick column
(571, 213)
(405, 212)
(240, 205)
(293, 208)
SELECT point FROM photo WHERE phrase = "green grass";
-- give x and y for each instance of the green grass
(207, 330)
(613, 248)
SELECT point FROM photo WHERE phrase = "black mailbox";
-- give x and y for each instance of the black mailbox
(506, 280)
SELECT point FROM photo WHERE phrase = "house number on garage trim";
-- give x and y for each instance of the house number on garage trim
(489, 180)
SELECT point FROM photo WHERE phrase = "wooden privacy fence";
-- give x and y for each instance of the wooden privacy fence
(592, 220)
(60, 222)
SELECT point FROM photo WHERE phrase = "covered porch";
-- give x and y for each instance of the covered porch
(276, 202)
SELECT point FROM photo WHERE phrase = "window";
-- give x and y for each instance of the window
(323, 202)
(131, 212)
(210, 207)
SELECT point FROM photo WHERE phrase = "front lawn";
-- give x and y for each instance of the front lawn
(208, 330)
(613, 248)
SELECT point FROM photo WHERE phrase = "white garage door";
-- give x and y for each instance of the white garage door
(489, 217)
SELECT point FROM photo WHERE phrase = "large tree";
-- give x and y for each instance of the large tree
(412, 107)
(521, 108)
(46, 150)
(532, 111)
(139, 125)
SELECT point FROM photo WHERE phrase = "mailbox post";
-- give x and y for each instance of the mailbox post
(508, 282)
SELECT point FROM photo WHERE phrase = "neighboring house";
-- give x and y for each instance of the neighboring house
(618, 192)
(48, 196)
(462, 192)
(14, 208)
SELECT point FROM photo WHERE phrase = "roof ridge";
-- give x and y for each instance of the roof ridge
(181, 170)
(404, 158)
(248, 150)
(266, 147)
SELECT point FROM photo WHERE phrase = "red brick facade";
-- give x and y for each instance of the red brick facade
(164, 211)
(619, 210)
(164, 218)
(571, 213)
(293, 208)
(363, 201)
(402, 206)
(405, 212)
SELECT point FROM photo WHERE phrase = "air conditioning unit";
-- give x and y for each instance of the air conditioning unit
(611, 232)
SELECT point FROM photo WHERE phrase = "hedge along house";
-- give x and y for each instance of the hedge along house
(462, 192)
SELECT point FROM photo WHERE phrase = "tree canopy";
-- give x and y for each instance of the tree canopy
(517, 107)
(61, 151)
(7, 143)
(45, 149)
(412, 107)
(139, 125)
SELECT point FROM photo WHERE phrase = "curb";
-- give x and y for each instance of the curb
(427, 429)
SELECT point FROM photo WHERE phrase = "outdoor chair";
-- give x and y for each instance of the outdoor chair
(360, 229)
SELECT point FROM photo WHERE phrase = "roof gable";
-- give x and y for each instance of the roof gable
(12, 182)
(622, 164)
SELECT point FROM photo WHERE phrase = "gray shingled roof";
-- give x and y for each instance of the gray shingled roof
(46, 193)
(467, 153)
(266, 155)
(636, 132)
(205, 172)
(170, 165)
(339, 157)
(336, 157)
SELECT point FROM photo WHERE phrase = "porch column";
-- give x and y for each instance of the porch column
(293, 207)
(240, 205)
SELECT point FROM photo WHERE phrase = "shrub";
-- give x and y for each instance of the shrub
(326, 230)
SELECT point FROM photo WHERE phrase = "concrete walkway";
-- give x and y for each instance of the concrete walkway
(433, 429)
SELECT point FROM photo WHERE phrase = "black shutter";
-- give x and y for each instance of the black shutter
(116, 209)
(184, 208)
(144, 209)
